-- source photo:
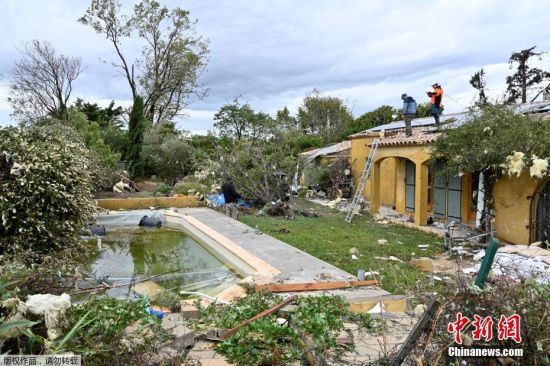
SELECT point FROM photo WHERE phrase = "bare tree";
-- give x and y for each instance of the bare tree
(172, 58)
(42, 81)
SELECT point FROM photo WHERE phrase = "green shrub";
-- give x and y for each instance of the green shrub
(46, 180)
(162, 189)
(168, 299)
(192, 188)
(166, 153)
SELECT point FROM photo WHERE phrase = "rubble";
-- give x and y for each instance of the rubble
(423, 263)
(518, 262)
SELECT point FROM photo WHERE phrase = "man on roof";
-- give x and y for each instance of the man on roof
(409, 111)
(436, 97)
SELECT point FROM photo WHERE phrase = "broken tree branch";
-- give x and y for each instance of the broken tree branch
(265, 313)
(107, 287)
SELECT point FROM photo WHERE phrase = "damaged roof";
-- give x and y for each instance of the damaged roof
(420, 136)
(327, 150)
(452, 120)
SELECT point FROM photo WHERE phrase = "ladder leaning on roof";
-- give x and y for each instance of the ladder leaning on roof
(358, 196)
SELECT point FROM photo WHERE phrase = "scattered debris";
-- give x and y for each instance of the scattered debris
(423, 263)
(479, 255)
(390, 258)
(354, 257)
(354, 250)
(518, 261)
(382, 241)
(282, 231)
(314, 286)
(51, 307)
(423, 245)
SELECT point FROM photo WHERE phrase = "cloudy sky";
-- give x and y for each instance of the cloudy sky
(272, 53)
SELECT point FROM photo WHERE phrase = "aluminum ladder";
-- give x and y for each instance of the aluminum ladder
(358, 196)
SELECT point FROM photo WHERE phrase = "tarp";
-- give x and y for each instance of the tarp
(218, 200)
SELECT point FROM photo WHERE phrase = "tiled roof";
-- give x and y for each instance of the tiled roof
(454, 119)
(420, 136)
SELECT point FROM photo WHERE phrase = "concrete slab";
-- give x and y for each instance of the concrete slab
(295, 265)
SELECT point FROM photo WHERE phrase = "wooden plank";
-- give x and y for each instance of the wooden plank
(314, 286)
(415, 334)
(265, 313)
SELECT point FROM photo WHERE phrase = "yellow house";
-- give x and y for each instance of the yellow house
(401, 177)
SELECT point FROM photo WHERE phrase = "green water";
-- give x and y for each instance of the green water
(128, 255)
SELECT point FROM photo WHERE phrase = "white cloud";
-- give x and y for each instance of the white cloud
(273, 53)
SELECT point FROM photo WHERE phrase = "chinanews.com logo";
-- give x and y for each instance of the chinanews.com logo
(508, 328)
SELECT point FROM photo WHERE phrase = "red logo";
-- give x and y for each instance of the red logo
(508, 327)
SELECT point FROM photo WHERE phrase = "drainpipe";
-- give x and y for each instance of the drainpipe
(480, 201)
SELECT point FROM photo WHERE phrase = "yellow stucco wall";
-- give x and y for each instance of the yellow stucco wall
(512, 196)
(144, 203)
(389, 173)
(359, 153)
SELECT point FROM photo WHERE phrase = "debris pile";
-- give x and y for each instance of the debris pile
(518, 262)
(283, 209)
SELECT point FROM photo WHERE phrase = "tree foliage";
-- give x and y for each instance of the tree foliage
(92, 136)
(42, 81)
(324, 116)
(239, 121)
(488, 141)
(111, 123)
(261, 171)
(136, 128)
(379, 116)
(525, 76)
(490, 136)
(167, 153)
(172, 56)
(46, 180)
(477, 81)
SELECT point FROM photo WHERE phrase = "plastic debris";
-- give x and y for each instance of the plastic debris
(51, 307)
(479, 255)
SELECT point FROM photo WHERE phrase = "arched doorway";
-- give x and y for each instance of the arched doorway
(542, 212)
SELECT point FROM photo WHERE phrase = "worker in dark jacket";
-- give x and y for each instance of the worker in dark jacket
(436, 97)
(230, 196)
(409, 111)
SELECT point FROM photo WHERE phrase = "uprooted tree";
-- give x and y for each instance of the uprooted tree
(496, 141)
(262, 172)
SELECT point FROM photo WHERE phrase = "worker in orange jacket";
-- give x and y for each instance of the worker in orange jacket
(436, 98)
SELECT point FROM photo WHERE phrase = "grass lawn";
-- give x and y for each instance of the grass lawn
(330, 238)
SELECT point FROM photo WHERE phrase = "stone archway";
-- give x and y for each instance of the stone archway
(418, 164)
